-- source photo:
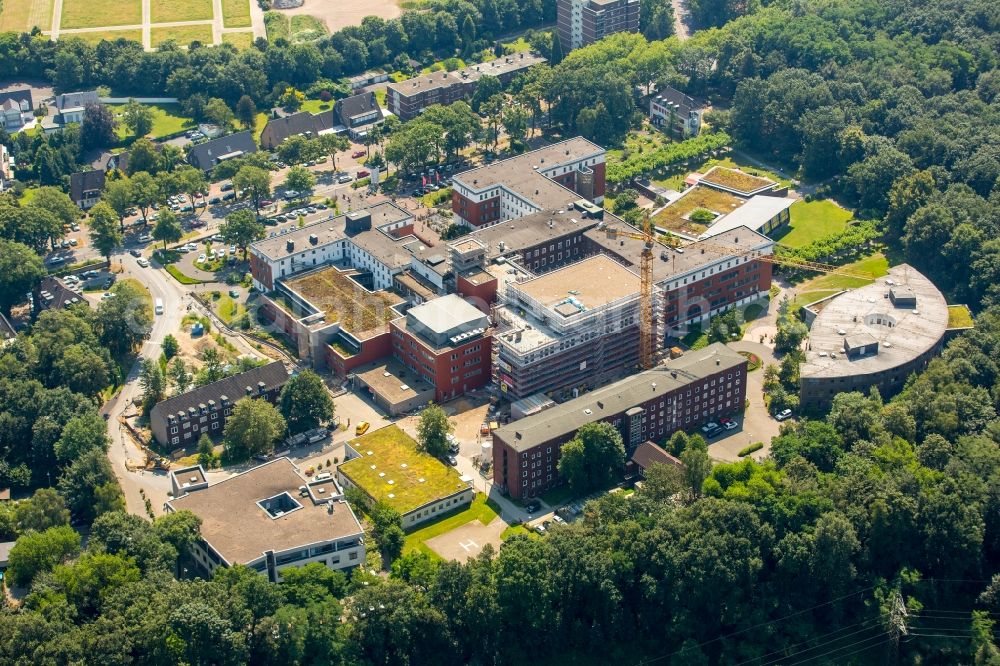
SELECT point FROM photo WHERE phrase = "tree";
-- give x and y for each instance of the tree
(331, 144)
(254, 427)
(118, 194)
(179, 375)
(97, 130)
(145, 193)
(44, 510)
(254, 182)
(82, 434)
(305, 403)
(170, 346)
(138, 118)
(58, 203)
(192, 182)
(143, 156)
(83, 484)
(433, 430)
(167, 228)
(206, 451)
(596, 454)
(219, 113)
(387, 527)
(105, 229)
(124, 321)
(21, 269)
(241, 228)
(180, 529)
(300, 179)
(38, 552)
(697, 465)
(291, 99)
(556, 55)
(246, 112)
(82, 369)
(152, 382)
(468, 36)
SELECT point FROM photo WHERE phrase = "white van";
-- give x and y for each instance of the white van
(159, 306)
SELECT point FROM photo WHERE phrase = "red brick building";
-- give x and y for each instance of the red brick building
(549, 178)
(447, 341)
(683, 394)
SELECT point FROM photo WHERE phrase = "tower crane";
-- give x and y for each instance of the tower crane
(647, 343)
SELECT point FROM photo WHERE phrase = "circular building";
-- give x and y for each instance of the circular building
(873, 336)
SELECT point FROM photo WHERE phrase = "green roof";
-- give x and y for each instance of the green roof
(393, 471)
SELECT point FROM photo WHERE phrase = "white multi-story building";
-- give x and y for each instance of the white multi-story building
(270, 518)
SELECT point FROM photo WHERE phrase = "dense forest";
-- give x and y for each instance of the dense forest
(873, 536)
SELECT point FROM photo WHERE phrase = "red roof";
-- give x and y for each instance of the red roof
(648, 454)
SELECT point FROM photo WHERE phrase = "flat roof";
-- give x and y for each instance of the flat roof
(593, 283)
(343, 300)
(188, 476)
(331, 230)
(618, 397)
(470, 74)
(446, 313)
(390, 469)
(241, 531)
(737, 180)
(534, 229)
(669, 263)
(393, 381)
(855, 315)
(755, 213)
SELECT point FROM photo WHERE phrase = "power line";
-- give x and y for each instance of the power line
(758, 625)
(797, 645)
(826, 654)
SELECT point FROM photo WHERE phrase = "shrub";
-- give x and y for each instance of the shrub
(747, 450)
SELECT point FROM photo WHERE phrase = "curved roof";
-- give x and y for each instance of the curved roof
(904, 329)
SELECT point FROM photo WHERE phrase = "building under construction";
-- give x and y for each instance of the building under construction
(570, 330)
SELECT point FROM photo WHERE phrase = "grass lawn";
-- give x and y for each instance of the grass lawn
(100, 13)
(276, 25)
(520, 45)
(515, 530)
(315, 106)
(97, 36)
(236, 13)
(167, 118)
(696, 338)
(959, 317)
(673, 216)
(183, 35)
(23, 15)
(165, 11)
(241, 40)
(380, 95)
(228, 309)
(558, 495)
(738, 180)
(481, 509)
(435, 199)
(403, 477)
(306, 28)
(822, 286)
(181, 277)
(813, 220)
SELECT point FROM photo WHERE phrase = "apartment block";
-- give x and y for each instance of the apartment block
(407, 99)
(682, 394)
(583, 22)
(550, 178)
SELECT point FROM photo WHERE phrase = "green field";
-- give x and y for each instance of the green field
(97, 36)
(100, 13)
(23, 15)
(277, 26)
(315, 106)
(241, 40)
(183, 35)
(165, 11)
(822, 286)
(520, 45)
(166, 117)
(300, 28)
(481, 509)
(236, 13)
(813, 220)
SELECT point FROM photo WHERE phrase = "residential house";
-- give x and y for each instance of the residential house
(6, 168)
(647, 455)
(206, 155)
(358, 113)
(85, 187)
(297, 124)
(71, 106)
(16, 109)
(675, 113)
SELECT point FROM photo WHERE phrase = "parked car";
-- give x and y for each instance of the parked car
(361, 428)
(143, 262)
(290, 194)
(532, 505)
(783, 415)
(226, 187)
(363, 173)
(358, 153)
(135, 252)
(731, 425)
(344, 179)
(540, 529)
(215, 201)
(228, 196)
(452, 460)
(201, 257)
